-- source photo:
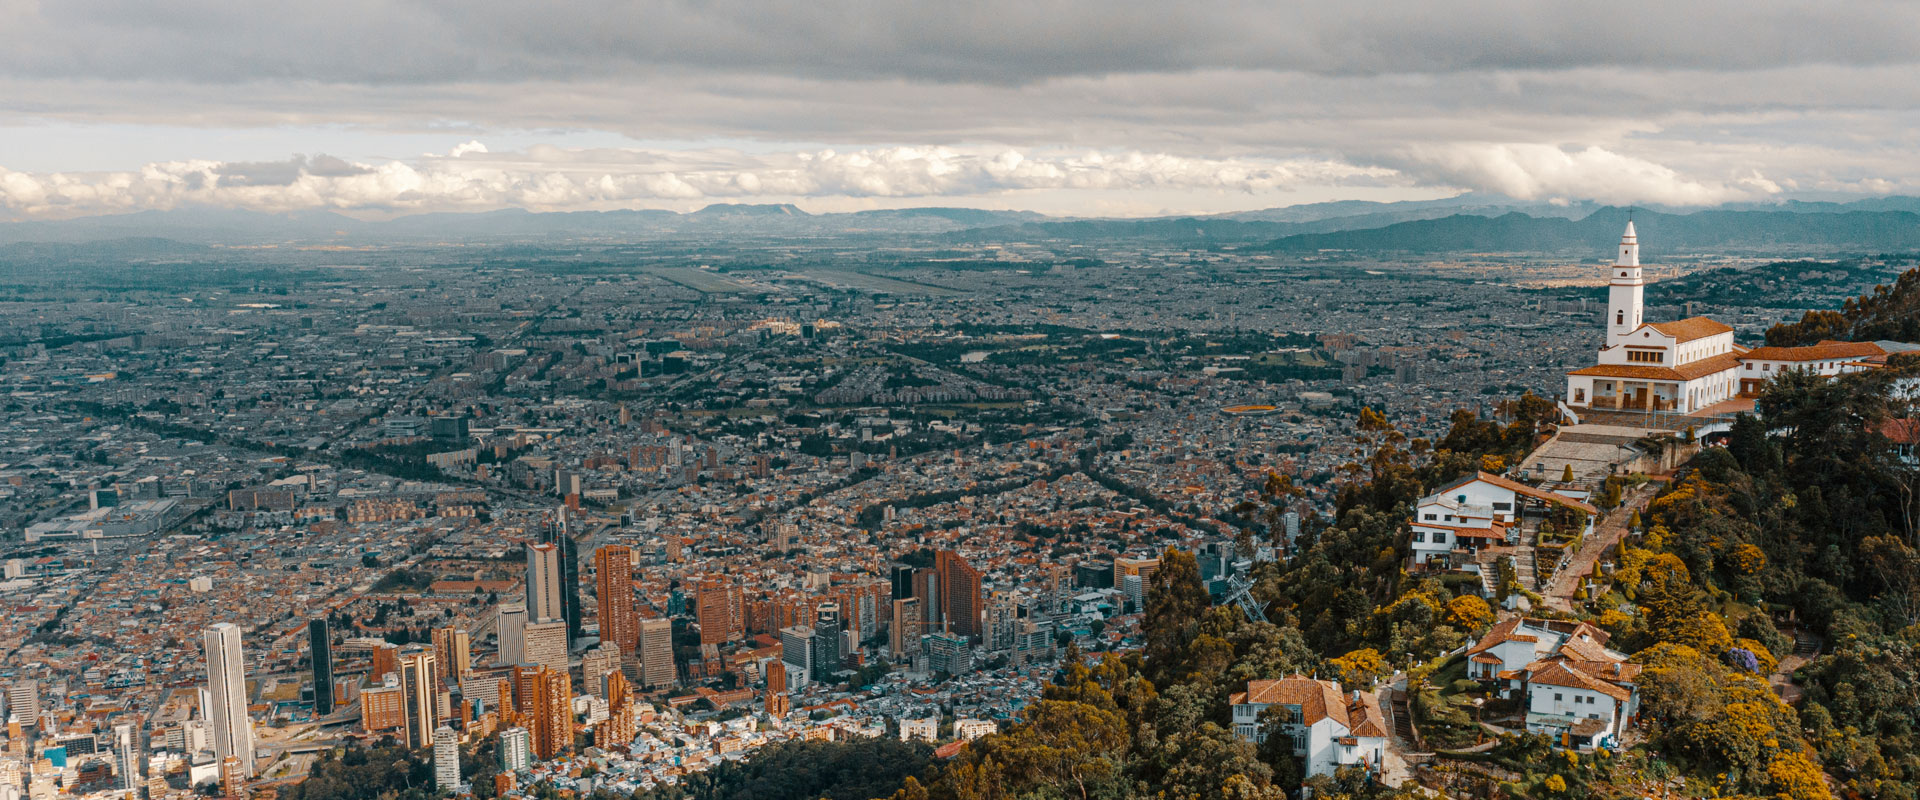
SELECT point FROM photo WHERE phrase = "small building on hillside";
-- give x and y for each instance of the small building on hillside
(1330, 728)
(1574, 687)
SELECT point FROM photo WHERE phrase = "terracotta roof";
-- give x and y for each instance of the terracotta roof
(1817, 352)
(1697, 368)
(1538, 494)
(1691, 328)
(1317, 699)
(1366, 718)
(1501, 633)
(1557, 673)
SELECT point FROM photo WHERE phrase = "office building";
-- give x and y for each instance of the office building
(560, 535)
(23, 702)
(948, 653)
(510, 631)
(446, 759)
(516, 749)
(926, 589)
(900, 581)
(796, 649)
(226, 712)
(595, 665)
(453, 652)
(656, 653)
(962, 604)
(419, 683)
(383, 708)
(903, 638)
(544, 601)
(547, 644)
(824, 658)
(722, 613)
(778, 703)
(613, 589)
(126, 758)
(320, 651)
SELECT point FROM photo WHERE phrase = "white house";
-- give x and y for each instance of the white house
(1575, 688)
(1461, 519)
(1329, 729)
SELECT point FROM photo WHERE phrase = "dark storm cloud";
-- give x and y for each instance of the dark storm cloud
(996, 41)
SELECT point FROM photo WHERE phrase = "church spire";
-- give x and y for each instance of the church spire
(1629, 248)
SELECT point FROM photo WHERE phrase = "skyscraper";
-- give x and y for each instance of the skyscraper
(418, 684)
(126, 756)
(900, 581)
(544, 601)
(23, 702)
(560, 535)
(227, 697)
(796, 648)
(961, 602)
(320, 649)
(824, 657)
(613, 589)
(722, 613)
(511, 633)
(446, 759)
(453, 649)
(927, 587)
(656, 653)
(904, 637)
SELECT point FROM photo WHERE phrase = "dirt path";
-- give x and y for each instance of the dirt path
(1611, 529)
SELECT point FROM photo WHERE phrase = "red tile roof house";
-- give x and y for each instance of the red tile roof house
(1575, 688)
(1330, 729)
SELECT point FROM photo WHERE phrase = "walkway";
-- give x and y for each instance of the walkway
(1611, 529)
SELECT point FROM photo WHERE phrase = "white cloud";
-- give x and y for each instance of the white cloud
(469, 178)
(1547, 172)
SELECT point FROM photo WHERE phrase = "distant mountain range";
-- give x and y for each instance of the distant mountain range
(1467, 223)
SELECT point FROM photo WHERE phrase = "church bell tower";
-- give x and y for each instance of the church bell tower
(1625, 289)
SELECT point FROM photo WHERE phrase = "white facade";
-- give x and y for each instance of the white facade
(1329, 730)
(226, 708)
(926, 729)
(446, 759)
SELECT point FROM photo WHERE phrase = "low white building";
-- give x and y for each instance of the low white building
(926, 729)
(1329, 728)
(1452, 526)
(1575, 688)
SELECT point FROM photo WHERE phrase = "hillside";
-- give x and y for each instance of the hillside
(1888, 312)
(1718, 231)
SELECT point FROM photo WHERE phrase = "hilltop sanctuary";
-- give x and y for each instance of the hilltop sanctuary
(1692, 365)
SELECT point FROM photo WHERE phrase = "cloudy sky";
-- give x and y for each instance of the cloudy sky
(1102, 107)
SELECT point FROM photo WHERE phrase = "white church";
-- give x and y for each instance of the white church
(1692, 365)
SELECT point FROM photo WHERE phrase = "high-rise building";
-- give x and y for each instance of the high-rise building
(778, 703)
(656, 653)
(386, 659)
(419, 684)
(511, 633)
(516, 749)
(547, 644)
(796, 649)
(551, 719)
(1143, 567)
(320, 651)
(824, 657)
(23, 702)
(961, 602)
(544, 600)
(383, 708)
(226, 713)
(619, 727)
(722, 613)
(900, 581)
(613, 589)
(595, 665)
(560, 535)
(948, 653)
(453, 649)
(908, 626)
(126, 758)
(446, 759)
